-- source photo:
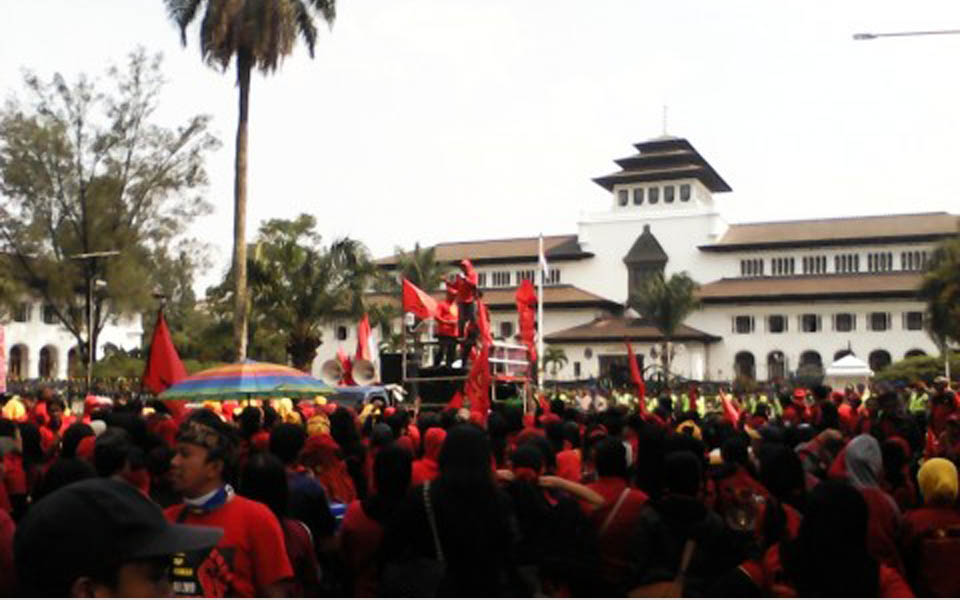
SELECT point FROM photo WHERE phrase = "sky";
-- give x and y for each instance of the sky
(444, 120)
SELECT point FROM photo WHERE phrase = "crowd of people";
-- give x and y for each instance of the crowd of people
(836, 493)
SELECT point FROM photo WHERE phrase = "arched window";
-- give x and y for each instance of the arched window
(48, 362)
(914, 352)
(776, 365)
(74, 363)
(811, 358)
(744, 365)
(879, 359)
(19, 356)
(341, 333)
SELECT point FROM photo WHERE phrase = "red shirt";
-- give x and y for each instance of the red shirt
(615, 543)
(8, 579)
(424, 469)
(250, 556)
(360, 538)
(919, 521)
(447, 318)
(882, 527)
(569, 465)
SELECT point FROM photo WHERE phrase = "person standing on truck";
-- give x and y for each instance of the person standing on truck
(467, 306)
(447, 325)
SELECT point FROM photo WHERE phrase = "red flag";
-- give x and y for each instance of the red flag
(526, 316)
(478, 381)
(163, 367)
(363, 339)
(483, 323)
(457, 401)
(347, 365)
(637, 377)
(418, 302)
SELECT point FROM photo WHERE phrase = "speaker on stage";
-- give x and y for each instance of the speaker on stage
(391, 367)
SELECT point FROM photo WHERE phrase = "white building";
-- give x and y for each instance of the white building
(775, 296)
(37, 345)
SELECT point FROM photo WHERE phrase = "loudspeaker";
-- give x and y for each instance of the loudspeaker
(391, 367)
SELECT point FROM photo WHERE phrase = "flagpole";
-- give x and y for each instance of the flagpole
(540, 318)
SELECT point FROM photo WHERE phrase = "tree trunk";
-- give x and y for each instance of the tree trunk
(244, 65)
(666, 362)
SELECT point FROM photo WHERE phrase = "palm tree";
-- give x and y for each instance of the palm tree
(666, 303)
(555, 356)
(941, 290)
(298, 286)
(420, 266)
(258, 34)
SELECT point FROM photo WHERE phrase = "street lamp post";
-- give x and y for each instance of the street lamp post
(91, 282)
(873, 36)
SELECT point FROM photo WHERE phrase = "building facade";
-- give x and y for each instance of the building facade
(38, 346)
(775, 297)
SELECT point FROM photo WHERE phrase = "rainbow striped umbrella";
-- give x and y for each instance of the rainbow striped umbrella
(249, 379)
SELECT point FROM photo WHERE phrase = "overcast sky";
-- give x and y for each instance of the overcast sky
(442, 120)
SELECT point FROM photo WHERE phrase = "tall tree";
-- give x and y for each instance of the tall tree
(556, 356)
(666, 303)
(941, 290)
(297, 285)
(420, 266)
(257, 33)
(85, 171)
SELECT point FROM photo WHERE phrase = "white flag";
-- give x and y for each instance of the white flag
(543, 259)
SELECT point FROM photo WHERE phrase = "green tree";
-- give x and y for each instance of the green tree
(297, 285)
(259, 34)
(556, 357)
(420, 266)
(666, 303)
(941, 291)
(84, 170)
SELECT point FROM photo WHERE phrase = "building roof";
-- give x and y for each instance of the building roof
(837, 232)
(616, 329)
(511, 250)
(554, 296)
(646, 250)
(812, 287)
(664, 158)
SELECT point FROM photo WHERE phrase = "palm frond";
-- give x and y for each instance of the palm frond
(182, 12)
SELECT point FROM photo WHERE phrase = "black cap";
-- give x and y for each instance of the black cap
(93, 525)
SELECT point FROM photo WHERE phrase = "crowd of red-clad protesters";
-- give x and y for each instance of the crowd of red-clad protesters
(833, 498)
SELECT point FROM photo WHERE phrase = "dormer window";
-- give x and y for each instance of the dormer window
(685, 192)
(653, 195)
(668, 194)
(622, 197)
(638, 196)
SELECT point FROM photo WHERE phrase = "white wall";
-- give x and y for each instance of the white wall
(718, 320)
(125, 332)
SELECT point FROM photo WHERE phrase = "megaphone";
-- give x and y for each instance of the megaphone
(331, 372)
(364, 372)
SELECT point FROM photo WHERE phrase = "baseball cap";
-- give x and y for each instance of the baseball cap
(92, 525)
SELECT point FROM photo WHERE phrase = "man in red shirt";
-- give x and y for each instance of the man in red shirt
(616, 519)
(447, 325)
(250, 558)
